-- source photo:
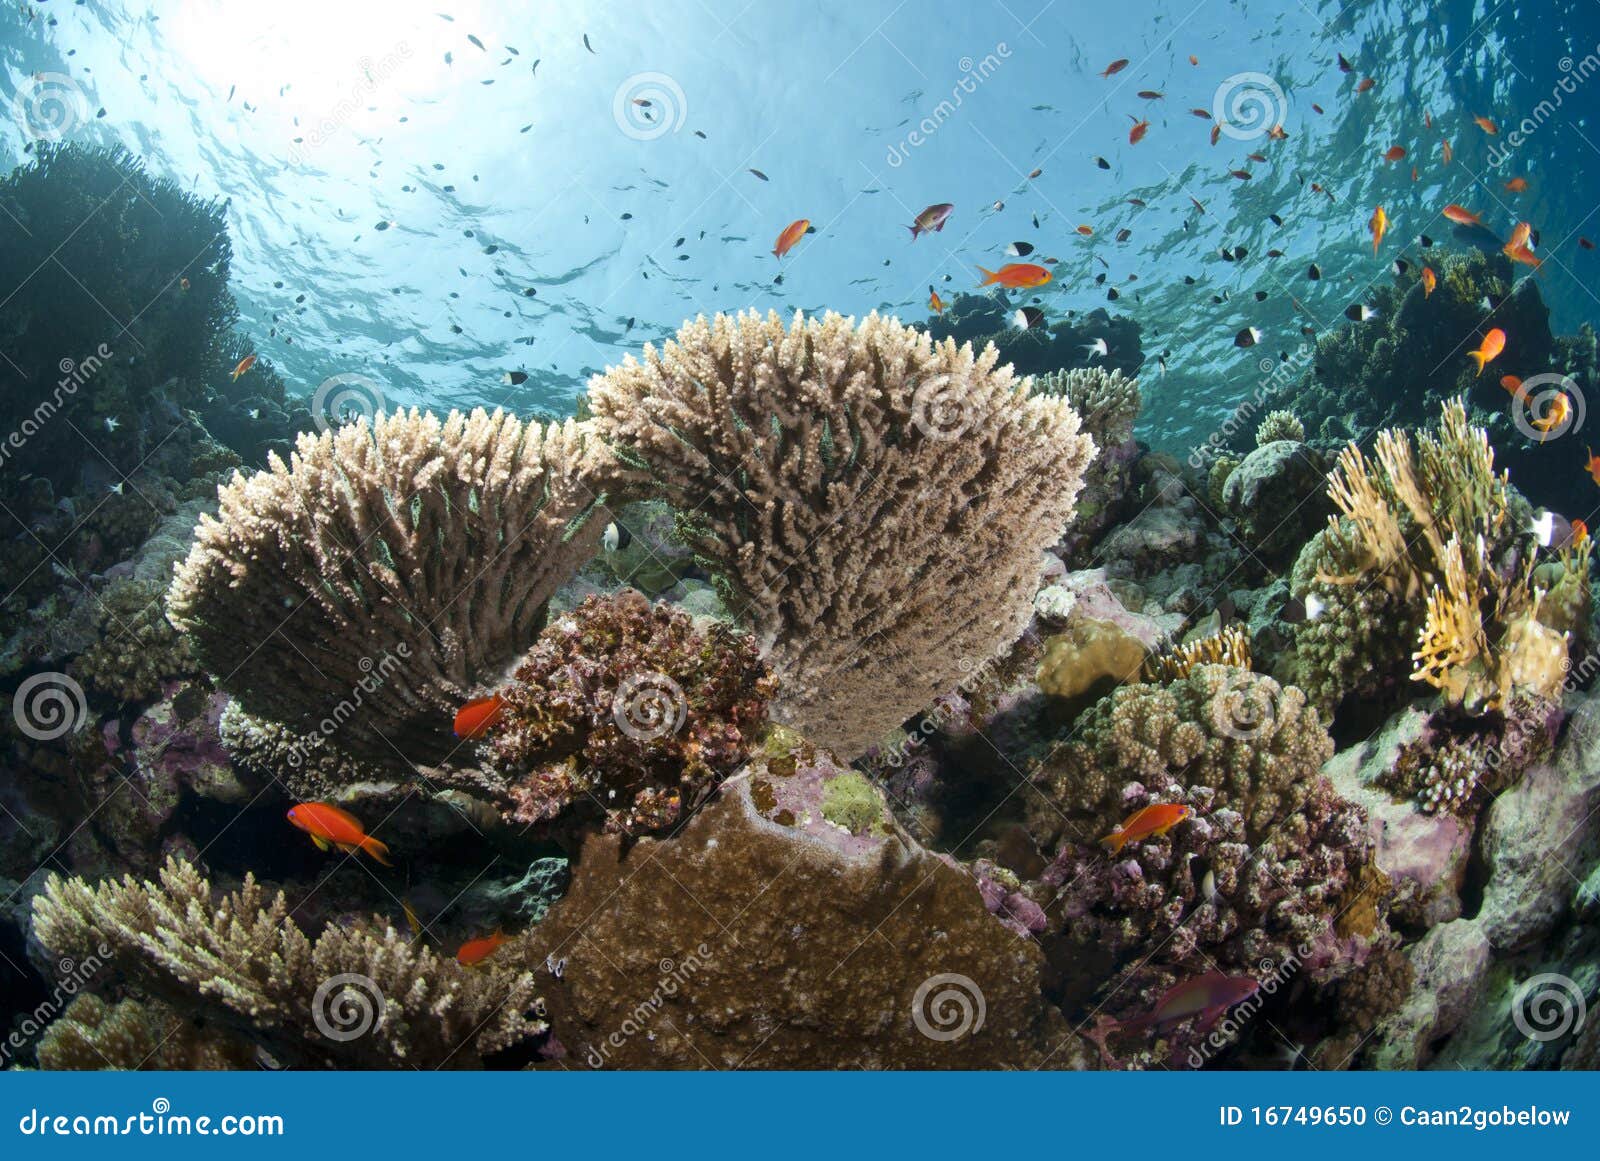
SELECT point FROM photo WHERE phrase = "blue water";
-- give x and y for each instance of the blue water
(526, 165)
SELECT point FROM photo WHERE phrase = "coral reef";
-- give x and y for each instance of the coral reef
(242, 961)
(1275, 496)
(373, 583)
(1279, 425)
(137, 648)
(873, 503)
(623, 710)
(1063, 345)
(133, 1035)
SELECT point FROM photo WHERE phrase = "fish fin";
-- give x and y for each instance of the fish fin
(915, 230)
(377, 850)
(940, 226)
(1115, 841)
(347, 848)
(988, 276)
(322, 843)
(1477, 357)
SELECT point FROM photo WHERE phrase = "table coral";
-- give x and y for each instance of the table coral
(369, 586)
(874, 503)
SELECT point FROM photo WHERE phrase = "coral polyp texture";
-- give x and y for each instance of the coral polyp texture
(623, 710)
(365, 588)
(1448, 543)
(240, 959)
(874, 503)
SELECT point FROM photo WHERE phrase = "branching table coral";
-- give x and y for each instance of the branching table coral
(874, 503)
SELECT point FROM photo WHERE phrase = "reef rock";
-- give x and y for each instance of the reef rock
(1276, 497)
(745, 941)
(1450, 964)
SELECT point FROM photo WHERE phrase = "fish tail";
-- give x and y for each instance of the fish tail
(376, 849)
(915, 230)
(988, 276)
(1479, 358)
(1114, 841)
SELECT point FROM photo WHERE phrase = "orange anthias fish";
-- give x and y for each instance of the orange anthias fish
(1430, 282)
(1015, 276)
(1115, 67)
(1555, 415)
(930, 220)
(1449, 153)
(475, 951)
(1365, 84)
(1462, 216)
(1518, 250)
(479, 716)
(1207, 997)
(1379, 225)
(1511, 383)
(1395, 153)
(1580, 531)
(1520, 234)
(1148, 822)
(244, 365)
(1493, 343)
(1486, 125)
(1517, 185)
(1593, 466)
(935, 303)
(331, 827)
(792, 233)
(1140, 128)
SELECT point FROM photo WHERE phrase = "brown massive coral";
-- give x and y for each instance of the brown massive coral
(362, 590)
(353, 997)
(874, 503)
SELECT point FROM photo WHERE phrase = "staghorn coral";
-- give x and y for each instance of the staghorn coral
(1106, 400)
(624, 710)
(1431, 524)
(241, 960)
(1230, 646)
(93, 1034)
(874, 504)
(1280, 424)
(395, 565)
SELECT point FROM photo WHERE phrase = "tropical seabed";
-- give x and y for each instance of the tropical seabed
(1018, 544)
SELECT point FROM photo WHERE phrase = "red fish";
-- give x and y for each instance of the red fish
(1430, 281)
(1140, 128)
(475, 951)
(1115, 67)
(244, 365)
(1493, 343)
(479, 716)
(1585, 243)
(792, 233)
(1207, 997)
(1449, 153)
(1379, 225)
(1512, 384)
(930, 220)
(331, 827)
(1593, 466)
(1487, 125)
(1015, 276)
(1395, 153)
(1517, 185)
(935, 303)
(1580, 531)
(1148, 822)
(1462, 216)
(1366, 83)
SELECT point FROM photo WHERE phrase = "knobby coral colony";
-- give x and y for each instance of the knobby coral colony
(874, 507)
